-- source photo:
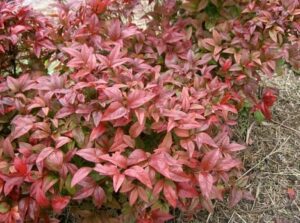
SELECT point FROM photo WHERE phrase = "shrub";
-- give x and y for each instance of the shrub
(104, 114)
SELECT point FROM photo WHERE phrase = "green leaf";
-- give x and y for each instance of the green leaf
(259, 116)
(4, 207)
(71, 190)
(280, 66)
(79, 136)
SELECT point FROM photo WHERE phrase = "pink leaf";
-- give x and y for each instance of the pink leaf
(137, 98)
(118, 180)
(227, 164)
(113, 93)
(206, 183)
(170, 195)
(136, 129)
(109, 170)
(18, 28)
(117, 159)
(89, 154)
(61, 141)
(11, 183)
(80, 175)
(114, 111)
(21, 130)
(234, 147)
(210, 160)
(235, 196)
(168, 166)
(84, 193)
(140, 174)
(44, 154)
(8, 148)
(204, 138)
(292, 193)
(99, 196)
(188, 145)
(136, 157)
(133, 196)
(186, 190)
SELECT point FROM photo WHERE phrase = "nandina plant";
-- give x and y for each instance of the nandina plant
(133, 121)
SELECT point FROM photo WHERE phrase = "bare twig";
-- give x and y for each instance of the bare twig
(287, 127)
(248, 133)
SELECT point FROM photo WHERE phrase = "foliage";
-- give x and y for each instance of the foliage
(137, 120)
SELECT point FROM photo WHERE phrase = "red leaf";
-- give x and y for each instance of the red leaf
(206, 183)
(140, 174)
(20, 166)
(41, 198)
(99, 6)
(58, 203)
(114, 111)
(80, 175)
(97, 132)
(137, 98)
(170, 194)
(269, 97)
(210, 160)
